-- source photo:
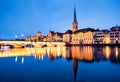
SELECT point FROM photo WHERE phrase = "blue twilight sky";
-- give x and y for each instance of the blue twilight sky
(28, 16)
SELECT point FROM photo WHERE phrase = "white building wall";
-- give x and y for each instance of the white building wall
(99, 37)
(114, 37)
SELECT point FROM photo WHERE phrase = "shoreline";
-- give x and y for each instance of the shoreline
(94, 45)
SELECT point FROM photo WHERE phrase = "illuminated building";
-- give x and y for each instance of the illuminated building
(106, 39)
(90, 35)
(115, 35)
(83, 36)
(54, 36)
(58, 37)
(67, 36)
(99, 36)
(39, 37)
(50, 36)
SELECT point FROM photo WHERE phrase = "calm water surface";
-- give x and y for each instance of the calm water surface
(60, 64)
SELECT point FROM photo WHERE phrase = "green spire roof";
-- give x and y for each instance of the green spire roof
(75, 18)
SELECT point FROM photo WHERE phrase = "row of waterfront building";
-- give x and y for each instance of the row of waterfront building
(81, 36)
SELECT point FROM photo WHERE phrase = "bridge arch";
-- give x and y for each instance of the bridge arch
(29, 45)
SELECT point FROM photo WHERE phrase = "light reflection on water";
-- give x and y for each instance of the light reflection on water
(86, 54)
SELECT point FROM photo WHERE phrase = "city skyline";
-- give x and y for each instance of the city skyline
(28, 17)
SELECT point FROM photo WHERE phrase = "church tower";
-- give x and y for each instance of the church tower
(74, 23)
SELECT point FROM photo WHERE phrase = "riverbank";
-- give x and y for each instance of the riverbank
(94, 45)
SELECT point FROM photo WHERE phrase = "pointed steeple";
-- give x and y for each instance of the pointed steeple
(75, 18)
(74, 23)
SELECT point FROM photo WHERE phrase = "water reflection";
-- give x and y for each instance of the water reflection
(16, 59)
(107, 51)
(75, 68)
(82, 53)
(116, 52)
(87, 54)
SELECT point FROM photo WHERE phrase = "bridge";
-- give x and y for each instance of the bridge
(20, 44)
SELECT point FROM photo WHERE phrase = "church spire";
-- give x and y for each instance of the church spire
(74, 23)
(75, 18)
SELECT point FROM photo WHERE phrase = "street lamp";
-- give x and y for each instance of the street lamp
(16, 37)
(22, 35)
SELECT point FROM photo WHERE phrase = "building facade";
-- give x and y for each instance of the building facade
(38, 38)
(83, 36)
(107, 37)
(67, 36)
(54, 36)
(114, 35)
(99, 36)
